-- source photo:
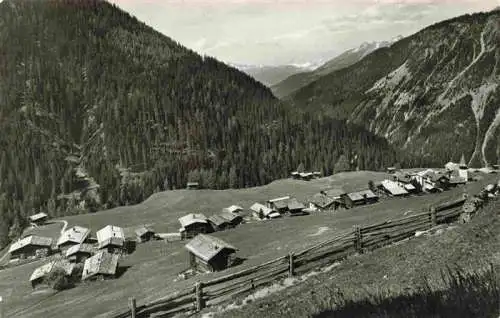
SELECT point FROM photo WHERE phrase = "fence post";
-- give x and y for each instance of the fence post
(131, 305)
(433, 216)
(2, 314)
(358, 246)
(199, 296)
(291, 265)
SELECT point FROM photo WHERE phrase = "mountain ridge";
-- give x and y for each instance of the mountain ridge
(345, 59)
(436, 87)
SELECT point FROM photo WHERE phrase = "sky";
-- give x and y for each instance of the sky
(278, 32)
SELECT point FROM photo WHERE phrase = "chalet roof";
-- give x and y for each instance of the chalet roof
(451, 166)
(192, 218)
(306, 174)
(76, 234)
(286, 198)
(294, 204)
(233, 208)
(43, 270)
(230, 216)
(282, 204)
(101, 263)
(322, 200)
(217, 220)
(207, 247)
(409, 187)
(80, 248)
(143, 230)
(30, 240)
(403, 177)
(38, 216)
(334, 193)
(359, 195)
(193, 184)
(273, 215)
(256, 207)
(393, 188)
(110, 235)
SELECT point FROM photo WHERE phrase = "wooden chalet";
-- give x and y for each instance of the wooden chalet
(261, 211)
(363, 197)
(79, 253)
(279, 204)
(306, 176)
(321, 202)
(393, 189)
(295, 175)
(295, 207)
(144, 234)
(102, 265)
(391, 170)
(39, 218)
(233, 209)
(192, 186)
(31, 246)
(218, 223)
(111, 239)
(75, 235)
(209, 254)
(194, 224)
(232, 218)
(39, 274)
(334, 193)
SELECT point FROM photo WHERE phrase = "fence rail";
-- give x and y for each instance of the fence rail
(358, 240)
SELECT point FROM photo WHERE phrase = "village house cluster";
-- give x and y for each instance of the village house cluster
(78, 254)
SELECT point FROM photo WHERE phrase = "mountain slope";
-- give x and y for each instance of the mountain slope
(349, 57)
(98, 110)
(426, 92)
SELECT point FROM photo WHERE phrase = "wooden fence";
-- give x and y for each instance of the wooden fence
(358, 240)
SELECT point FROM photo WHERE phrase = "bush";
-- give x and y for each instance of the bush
(58, 280)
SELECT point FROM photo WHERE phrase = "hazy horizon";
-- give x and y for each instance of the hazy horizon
(246, 32)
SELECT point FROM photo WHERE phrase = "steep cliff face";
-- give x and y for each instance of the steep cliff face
(436, 92)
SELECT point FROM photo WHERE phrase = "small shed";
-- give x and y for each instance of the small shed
(209, 254)
(101, 265)
(295, 175)
(295, 207)
(218, 223)
(359, 198)
(391, 169)
(31, 246)
(194, 224)
(233, 218)
(233, 209)
(321, 202)
(192, 186)
(401, 178)
(79, 253)
(39, 274)
(111, 238)
(73, 236)
(144, 234)
(279, 204)
(39, 218)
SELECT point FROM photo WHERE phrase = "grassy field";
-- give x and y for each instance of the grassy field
(152, 269)
(451, 273)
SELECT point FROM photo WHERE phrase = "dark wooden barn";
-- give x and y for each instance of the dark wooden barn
(209, 254)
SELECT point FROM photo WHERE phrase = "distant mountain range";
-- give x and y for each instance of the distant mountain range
(270, 75)
(347, 58)
(435, 93)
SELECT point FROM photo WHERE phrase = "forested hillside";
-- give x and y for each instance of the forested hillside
(435, 93)
(99, 110)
